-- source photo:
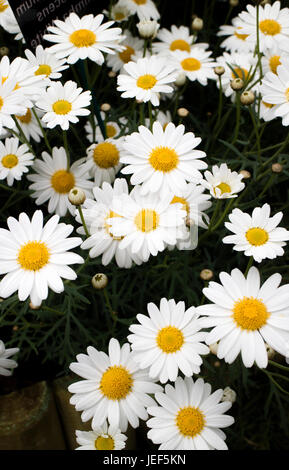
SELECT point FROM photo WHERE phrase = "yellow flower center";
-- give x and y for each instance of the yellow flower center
(26, 119)
(110, 130)
(268, 105)
(147, 220)
(106, 155)
(170, 339)
(190, 421)
(125, 55)
(191, 64)
(224, 188)
(62, 181)
(250, 313)
(33, 256)
(183, 201)
(116, 383)
(270, 27)
(16, 86)
(107, 227)
(62, 107)
(164, 159)
(83, 38)
(140, 2)
(146, 81)
(243, 37)
(1, 102)
(9, 161)
(181, 45)
(274, 62)
(257, 236)
(44, 69)
(240, 73)
(3, 6)
(104, 443)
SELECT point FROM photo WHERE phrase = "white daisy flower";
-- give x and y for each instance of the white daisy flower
(189, 417)
(53, 180)
(7, 364)
(147, 224)
(14, 160)
(36, 257)
(118, 12)
(133, 49)
(237, 65)
(7, 18)
(273, 25)
(29, 125)
(194, 202)
(266, 110)
(162, 161)
(112, 128)
(257, 235)
(83, 38)
(47, 64)
(245, 315)
(168, 340)
(144, 9)
(30, 84)
(275, 91)
(101, 438)
(114, 387)
(11, 102)
(222, 182)
(104, 160)
(146, 79)
(236, 41)
(196, 64)
(178, 38)
(272, 58)
(96, 214)
(63, 103)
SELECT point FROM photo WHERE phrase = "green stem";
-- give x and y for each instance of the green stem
(150, 116)
(109, 306)
(65, 142)
(267, 186)
(22, 136)
(279, 366)
(249, 265)
(83, 221)
(238, 118)
(223, 215)
(220, 107)
(42, 130)
(256, 133)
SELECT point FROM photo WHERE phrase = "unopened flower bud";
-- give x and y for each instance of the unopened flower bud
(214, 348)
(206, 274)
(247, 98)
(277, 168)
(234, 3)
(76, 196)
(181, 79)
(111, 74)
(246, 174)
(264, 2)
(197, 24)
(148, 29)
(219, 70)
(4, 51)
(99, 281)
(237, 84)
(217, 364)
(34, 307)
(105, 107)
(183, 112)
(229, 395)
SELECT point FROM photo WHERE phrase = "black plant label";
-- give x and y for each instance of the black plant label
(34, 16)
